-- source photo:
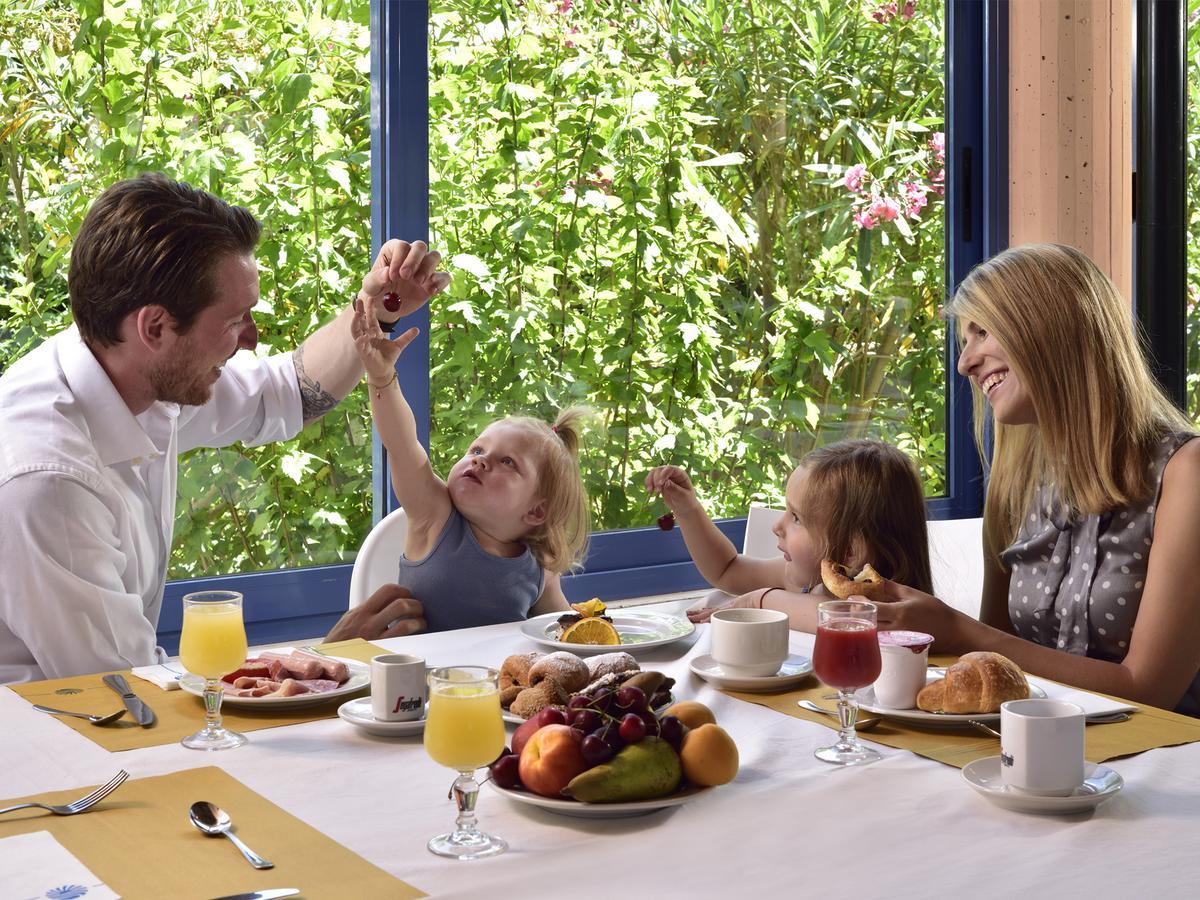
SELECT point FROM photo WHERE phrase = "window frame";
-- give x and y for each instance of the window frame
(300, 603)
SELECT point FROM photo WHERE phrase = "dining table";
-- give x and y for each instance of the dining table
(787, 825)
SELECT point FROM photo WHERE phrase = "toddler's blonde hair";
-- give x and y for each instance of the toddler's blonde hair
(559, 543)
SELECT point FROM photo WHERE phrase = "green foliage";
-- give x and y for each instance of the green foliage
(264, 103)
(642, 204)
(644, 207)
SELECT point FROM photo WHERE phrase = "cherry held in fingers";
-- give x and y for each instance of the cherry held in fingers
(391, 302)
(666, 521)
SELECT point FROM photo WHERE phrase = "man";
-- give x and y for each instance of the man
(162, 284)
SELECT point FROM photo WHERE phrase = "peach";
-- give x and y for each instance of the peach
(551, 758)
(524, 732)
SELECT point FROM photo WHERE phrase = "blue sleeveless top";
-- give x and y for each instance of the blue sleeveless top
(462, 585)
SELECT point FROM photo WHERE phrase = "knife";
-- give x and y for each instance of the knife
(142, 714)
(262, 895)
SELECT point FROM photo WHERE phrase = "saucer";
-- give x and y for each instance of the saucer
(793, 671)
(358, 713)
(1099, 784)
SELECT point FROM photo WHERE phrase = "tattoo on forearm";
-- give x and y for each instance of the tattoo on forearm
(314, 401)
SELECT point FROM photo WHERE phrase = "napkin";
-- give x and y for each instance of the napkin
(35, 866)
(1092, 704)
(164, 675)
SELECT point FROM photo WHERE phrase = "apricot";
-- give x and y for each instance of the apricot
(709, 755)
(692, 714)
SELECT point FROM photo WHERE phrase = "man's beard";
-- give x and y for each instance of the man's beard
(176, 381)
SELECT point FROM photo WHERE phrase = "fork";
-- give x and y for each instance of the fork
(83, 804)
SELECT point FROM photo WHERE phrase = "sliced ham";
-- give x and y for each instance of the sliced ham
(290, 688)
(252, 668)
(320, 685)
(247, 686)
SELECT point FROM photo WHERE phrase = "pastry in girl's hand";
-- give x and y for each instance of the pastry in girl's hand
(568, 670)
(841, 584)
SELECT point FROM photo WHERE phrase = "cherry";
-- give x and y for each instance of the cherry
(579, 701)
(666, 521)
(552, 715)
(670, 729)
(650, 721)
(611, 735)
(505, 771)
(633, 729)
(631, 697)
(595, 751)
(587, 720)
(391, 302)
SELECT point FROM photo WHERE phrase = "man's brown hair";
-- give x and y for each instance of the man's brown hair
(152, 241)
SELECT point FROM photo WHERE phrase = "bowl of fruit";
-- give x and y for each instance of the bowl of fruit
(609, 755)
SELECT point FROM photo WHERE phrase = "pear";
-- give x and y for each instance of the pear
(641, 771)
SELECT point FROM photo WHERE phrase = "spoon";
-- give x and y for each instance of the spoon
(214, 822)
(861, 725)
(95, 720)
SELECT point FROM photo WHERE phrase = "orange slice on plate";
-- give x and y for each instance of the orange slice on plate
(591, 631)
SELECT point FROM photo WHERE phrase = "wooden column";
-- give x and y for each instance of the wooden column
(1071, 128)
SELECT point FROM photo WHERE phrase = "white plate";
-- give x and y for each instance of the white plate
(1099, 784)
(793, 671)
(358, 712)
(638, 631)
(580, 810)
(360, 677)
(866, 702)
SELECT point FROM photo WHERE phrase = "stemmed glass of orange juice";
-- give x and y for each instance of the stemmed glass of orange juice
(213, 644)
(464, 730)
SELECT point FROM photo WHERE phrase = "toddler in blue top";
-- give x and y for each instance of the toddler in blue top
(490, 543)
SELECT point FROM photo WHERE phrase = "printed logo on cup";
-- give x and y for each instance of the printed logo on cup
(397, 687)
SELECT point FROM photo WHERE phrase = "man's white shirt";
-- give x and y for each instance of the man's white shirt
(87, 501)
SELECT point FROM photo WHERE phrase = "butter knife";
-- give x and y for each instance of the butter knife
(262, 895)
(142, 714)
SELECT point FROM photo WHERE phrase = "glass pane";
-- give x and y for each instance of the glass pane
(720, 224)
(264, 103)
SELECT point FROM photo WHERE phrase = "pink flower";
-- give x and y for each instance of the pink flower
(937, 177)
(855, 175)
(885, 12)
(864, 219)
(884, 209)
(914, 199)
(910, 7)
(937, 143)
(564, 6)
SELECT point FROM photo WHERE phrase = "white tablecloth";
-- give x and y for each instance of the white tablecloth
(788, 826)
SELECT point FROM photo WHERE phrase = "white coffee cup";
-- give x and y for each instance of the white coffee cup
(1041, 746)
(749, 643)
(397, 687)
(905, 656)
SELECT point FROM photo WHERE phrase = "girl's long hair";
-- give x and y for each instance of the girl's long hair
(1070, 341)
(868, 491)
(559, 544)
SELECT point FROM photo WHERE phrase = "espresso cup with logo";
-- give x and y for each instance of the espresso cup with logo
(905, 656)
(749, 643)
(1041, 747)
(397, 687)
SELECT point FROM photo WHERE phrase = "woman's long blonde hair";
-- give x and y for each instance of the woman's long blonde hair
(559, 543)
(1069, 338)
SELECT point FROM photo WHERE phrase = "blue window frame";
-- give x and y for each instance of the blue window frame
(305, 602)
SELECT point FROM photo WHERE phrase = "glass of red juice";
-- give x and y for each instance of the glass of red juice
(846, 657)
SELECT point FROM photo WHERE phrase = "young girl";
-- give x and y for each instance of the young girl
(488, 544)
(854, 502)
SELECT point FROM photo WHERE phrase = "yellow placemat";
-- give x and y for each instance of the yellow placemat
(1146, 729)
(179, 713)
(140, 843)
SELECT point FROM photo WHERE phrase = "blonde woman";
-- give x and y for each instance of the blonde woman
(1092, 516)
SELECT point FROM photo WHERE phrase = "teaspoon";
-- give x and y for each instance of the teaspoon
(215, 822)
(861, 725)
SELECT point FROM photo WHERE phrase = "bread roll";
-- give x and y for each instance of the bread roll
(568, 670)
(840, 583)
(978, 683)
(514, 675)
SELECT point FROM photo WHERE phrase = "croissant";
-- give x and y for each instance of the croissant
(978, 683)
(514, 675)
